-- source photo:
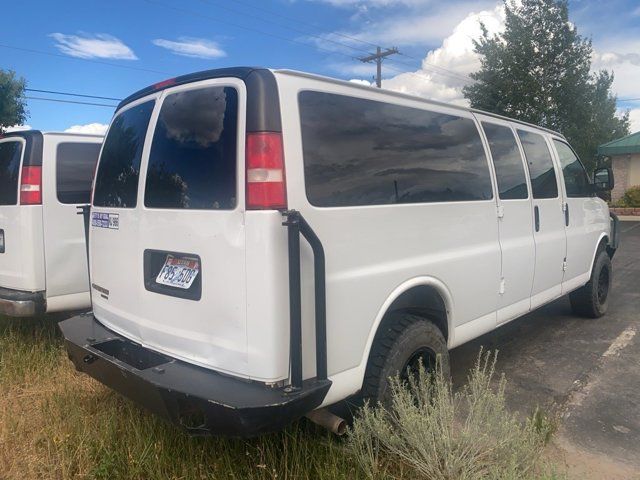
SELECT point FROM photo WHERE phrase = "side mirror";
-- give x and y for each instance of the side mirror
(603, 180)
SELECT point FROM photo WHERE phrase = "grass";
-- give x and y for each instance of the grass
(58, 424)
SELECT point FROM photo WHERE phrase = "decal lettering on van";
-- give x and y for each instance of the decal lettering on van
(105, 220)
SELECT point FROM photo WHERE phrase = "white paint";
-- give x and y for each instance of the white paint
(621, 342)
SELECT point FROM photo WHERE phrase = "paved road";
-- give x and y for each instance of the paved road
(587, 371)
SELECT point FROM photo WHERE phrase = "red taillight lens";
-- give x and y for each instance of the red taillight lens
(31, 186)
(266, 187)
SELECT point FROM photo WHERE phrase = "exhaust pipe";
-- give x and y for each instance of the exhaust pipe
(328, 420)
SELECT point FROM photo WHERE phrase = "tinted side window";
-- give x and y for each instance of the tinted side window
(512, 181)
(541, 171)
(10, 153)
(119, 168)
(363, 152)
(576, 180)
(192, 163)
(75, 164)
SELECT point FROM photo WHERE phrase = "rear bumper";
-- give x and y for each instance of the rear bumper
(17, 303)
(201, 401)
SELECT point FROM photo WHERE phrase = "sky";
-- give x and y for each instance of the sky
(113, 48)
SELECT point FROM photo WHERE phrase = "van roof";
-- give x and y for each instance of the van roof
(26, 134)
(244, 72)
(33, 143)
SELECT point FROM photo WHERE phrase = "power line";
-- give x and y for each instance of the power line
(100, 62)
(294, 29)
(59, 100)
(297, 20)
(72, 94)
(243, 27)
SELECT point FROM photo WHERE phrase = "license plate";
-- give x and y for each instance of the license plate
(178, 272)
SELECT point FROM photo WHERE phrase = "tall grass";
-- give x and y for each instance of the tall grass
(58, 424)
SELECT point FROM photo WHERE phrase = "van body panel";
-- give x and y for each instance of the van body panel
(363, 269)
(515, 223)
(22, 263)
(550, 236)
(267, 296)
(586, 218)
(161, 320)
(65, 246)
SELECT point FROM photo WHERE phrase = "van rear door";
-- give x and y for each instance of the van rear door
(21, 242)
(68, 174)
(167, 236)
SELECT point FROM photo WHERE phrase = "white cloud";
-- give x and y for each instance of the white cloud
(99, 45)
(360, 81)
(192, 47)
(442, 73)
(94, 128)
(619, 54)
(18, 128)
(634, 118)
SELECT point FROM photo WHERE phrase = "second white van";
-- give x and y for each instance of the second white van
(44, 177)
(266, 243)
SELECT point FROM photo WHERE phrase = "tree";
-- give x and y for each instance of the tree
(13, 108)
(539, 71)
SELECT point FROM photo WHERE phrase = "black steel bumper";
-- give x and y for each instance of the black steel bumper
(16, 303)
(200, 400)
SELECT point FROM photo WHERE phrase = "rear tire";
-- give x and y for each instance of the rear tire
(592, 299)
(403, 341)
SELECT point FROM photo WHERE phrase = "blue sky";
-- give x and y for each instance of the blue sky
(145, 41)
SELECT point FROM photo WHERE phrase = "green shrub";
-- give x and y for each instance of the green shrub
(631, 197)
(438, 434)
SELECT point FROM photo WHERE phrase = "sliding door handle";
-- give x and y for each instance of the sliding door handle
(536, 216)
(566, 214)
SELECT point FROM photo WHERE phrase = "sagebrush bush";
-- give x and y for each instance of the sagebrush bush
(439, 434)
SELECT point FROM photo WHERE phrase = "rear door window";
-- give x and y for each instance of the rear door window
(364, 152)
(541, 171)
(75, 164)
(119, 167)
(192, 164)
(10, 155)
(576, 180)
(512, 181)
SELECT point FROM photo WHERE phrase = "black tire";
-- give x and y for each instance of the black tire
(592, 299)
(402, 338)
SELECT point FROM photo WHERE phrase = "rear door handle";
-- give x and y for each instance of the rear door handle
(536, 215)
(566, 214)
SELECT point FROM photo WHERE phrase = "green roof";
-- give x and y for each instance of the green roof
(622, 146)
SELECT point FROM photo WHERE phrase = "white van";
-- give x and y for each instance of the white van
(43, 262)
(425, 225)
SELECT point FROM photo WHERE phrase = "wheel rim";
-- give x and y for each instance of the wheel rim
(423, 356)
(603, 285)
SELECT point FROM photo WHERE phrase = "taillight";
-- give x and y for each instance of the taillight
(31, 186)
(266, 187)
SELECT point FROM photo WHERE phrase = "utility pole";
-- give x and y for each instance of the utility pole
(377, 57)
